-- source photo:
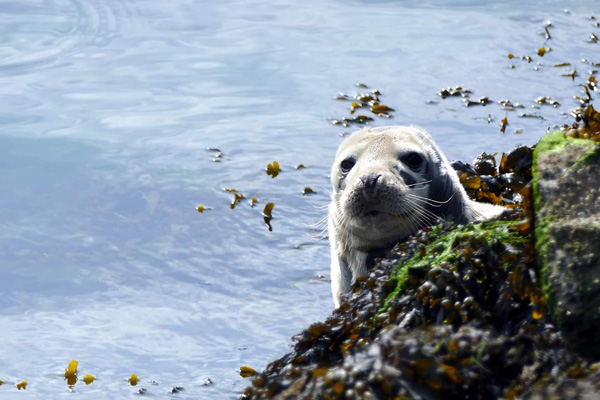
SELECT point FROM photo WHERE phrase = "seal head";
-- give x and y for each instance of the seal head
(388, 182)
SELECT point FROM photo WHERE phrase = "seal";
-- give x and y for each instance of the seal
(388, 182)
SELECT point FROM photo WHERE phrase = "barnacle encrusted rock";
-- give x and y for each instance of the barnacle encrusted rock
(567, 229)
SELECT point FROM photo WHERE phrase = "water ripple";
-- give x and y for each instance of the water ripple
(41, 36)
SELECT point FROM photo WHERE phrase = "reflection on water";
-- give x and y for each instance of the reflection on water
(108, 108)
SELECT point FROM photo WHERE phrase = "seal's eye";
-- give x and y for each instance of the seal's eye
(412, 160)
(347, 164)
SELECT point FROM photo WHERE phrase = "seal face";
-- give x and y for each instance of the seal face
(388, 182)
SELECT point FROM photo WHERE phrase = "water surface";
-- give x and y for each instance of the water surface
(107, 109)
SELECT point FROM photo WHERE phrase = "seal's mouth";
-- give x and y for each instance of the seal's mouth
(373, 213)
(379, 214)
(371, 210)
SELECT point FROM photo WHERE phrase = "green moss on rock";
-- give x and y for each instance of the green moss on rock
(444, 249)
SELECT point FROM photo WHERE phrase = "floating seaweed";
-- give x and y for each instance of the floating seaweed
(133, 379)
(547, 100)
(363, 100)
(342, 96)
(456, 91)
(508, 105)
(483, 101)
(217, 154)
(247, 372)
(369, 98)
(307, 191)
(380, 108)
(571, 75)
(503, 123)
(71, 373)
(354, 105)
(237, 198)
(541, 51)
(592, 83)
(273, 169)
(530, 115)
(359, 120)
(267, 214)
(586, 61)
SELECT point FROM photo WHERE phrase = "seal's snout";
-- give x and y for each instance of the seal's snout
(370, 183)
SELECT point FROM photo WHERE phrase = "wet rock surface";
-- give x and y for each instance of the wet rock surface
(568, 234)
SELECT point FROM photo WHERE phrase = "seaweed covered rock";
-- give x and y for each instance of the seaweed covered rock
(567, 190)
(505, 184)
(456, 313)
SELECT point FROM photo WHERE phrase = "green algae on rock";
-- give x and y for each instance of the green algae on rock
(445, 252)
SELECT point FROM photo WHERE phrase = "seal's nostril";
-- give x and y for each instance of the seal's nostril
(370, 182)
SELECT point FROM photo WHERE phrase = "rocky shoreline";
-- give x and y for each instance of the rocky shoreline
(504, 309)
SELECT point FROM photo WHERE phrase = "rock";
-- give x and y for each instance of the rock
(567, 229)
(569, 388)
(456, 313)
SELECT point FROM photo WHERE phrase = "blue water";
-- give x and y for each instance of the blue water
(107, 111)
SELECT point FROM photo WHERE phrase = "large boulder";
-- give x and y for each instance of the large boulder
(567, 230)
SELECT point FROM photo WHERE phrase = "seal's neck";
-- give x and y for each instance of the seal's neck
(374, 254)
(358, 263)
